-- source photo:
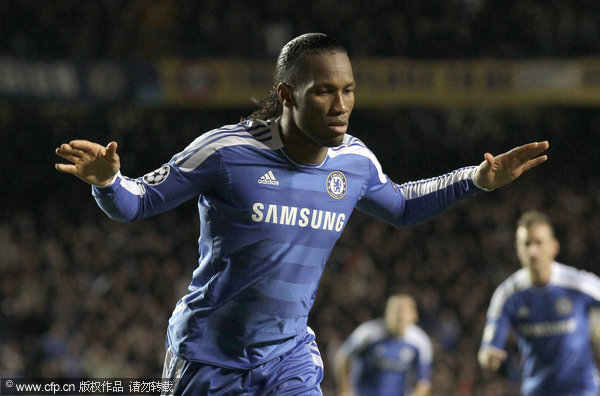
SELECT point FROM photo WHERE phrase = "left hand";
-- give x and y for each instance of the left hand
(502, 169)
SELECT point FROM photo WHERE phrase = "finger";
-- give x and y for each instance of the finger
(534, 162)
(531, 150)
(85, 146)
(111, 150)
(66, 168)
(491, 160)
(66, 149)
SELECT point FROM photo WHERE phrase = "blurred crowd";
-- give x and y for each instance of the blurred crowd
(150, 29)
(82, 296)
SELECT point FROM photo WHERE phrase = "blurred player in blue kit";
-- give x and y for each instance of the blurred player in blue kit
(274, 194)
(547, 304)
(380, 354)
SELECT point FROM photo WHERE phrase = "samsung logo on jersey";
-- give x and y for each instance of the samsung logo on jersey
(546, 329)
(298, 217)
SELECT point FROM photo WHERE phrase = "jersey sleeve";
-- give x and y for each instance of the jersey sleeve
(158, 191)
(414, 202)
(425, 360)
(585, 282)
(497, 323)
(363, 336)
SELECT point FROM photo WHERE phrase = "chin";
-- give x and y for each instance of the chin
(335, 142)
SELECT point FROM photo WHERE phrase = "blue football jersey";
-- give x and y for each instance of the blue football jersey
(268, 225)
(552, 328)
(382, 363)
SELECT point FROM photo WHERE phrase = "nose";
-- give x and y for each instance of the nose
(341, 103)
(532, 250)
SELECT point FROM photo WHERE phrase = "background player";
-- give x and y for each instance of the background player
(380, 354)
(274, 194)
(547, 304)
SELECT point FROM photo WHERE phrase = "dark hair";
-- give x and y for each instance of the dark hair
(288, 68)
(532, 217)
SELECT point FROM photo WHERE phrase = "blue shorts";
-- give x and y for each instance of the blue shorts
(297, 372)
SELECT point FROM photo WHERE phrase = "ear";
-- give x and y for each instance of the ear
(556, 247)
(285, 93)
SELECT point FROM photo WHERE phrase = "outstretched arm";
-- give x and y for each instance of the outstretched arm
(91, 162)
(498, 171)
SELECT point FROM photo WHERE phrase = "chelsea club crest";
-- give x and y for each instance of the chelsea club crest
(336, 184)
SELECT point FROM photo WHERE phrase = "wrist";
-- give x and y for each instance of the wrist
(478, 184)
(110, 182)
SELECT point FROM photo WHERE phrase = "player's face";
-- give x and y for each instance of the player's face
(536, 246)
(399, 313)
(325, 98)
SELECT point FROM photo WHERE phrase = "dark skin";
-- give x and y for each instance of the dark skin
(316, 112)
(315, 117)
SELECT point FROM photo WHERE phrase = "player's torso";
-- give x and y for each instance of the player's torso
(384, 367)
(553, 335)
(390, 354)
(268, 227)
(267, 195)
(547, 312)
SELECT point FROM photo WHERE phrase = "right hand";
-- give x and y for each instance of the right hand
(490, 357)
(91, 162)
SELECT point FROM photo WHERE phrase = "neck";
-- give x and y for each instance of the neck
(540, 276)
(398, 332)
(298, 145)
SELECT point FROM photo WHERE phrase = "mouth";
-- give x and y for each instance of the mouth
(338, 127)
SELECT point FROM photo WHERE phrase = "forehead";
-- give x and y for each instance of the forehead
(534, 231)
(327, 67)
(400, 302)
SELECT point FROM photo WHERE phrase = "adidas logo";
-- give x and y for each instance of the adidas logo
(268, 178)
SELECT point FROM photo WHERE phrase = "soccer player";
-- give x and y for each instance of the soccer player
(379, 355)
(547, 305)
(274, 194)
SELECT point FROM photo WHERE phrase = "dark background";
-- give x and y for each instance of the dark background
(82, 296)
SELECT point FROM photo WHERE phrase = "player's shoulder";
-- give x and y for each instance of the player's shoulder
(372, 329)
(240, 133)
(515, 283)
(259, 130)
(576, 279)
(416, 334)
(418, 338)
(361, 156)
(260, 134)
(562, 271)
(373, 325)
(351, 145)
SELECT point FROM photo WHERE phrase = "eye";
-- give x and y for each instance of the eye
(348, 91)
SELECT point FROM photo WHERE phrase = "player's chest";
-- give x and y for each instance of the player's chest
(546, 314)
(391, 355)
(278, 187)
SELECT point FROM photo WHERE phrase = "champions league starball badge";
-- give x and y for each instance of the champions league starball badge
(336, 184)
(158, 176)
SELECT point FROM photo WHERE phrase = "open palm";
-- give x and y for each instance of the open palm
(502, 169)
(91, 162)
